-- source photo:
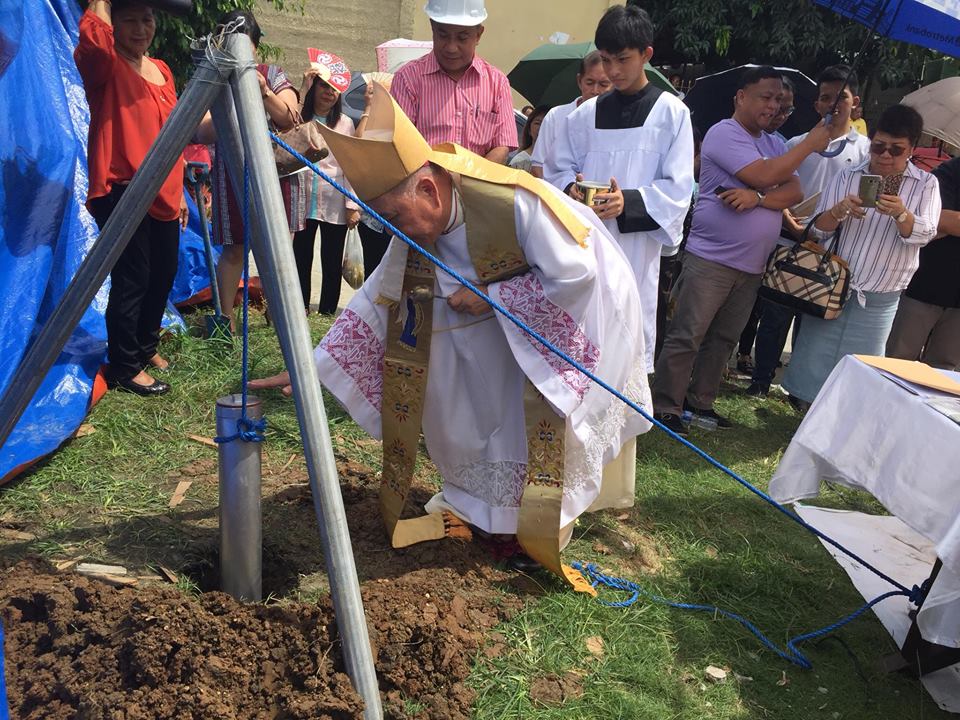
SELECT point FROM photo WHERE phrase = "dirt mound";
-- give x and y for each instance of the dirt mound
(77, 648)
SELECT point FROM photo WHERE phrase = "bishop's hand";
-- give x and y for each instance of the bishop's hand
(466, 301)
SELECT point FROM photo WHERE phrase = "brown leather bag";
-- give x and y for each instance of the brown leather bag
(808, 277)
(306, 140)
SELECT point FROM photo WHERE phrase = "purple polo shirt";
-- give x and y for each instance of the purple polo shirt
(742, 241)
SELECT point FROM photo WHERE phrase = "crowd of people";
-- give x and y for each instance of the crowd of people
(687, 225)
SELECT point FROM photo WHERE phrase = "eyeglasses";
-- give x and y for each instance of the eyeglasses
(879, 148)
(785, 112)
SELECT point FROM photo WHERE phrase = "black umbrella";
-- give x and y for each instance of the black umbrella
(711, 100)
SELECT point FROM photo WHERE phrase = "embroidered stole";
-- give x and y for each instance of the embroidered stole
(496, 255)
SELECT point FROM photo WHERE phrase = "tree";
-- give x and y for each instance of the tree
(174, 35)
(795, 33)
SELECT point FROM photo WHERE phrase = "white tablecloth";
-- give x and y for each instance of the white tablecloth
(866, 431)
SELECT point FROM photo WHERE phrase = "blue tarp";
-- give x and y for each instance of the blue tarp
(192, 276)
(44, 229)
(3, 683)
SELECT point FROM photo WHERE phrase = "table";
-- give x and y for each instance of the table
(868, 432)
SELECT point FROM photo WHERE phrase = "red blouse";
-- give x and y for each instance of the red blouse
(126, 113)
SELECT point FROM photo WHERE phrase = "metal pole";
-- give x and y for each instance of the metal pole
(241, 528)
(274, 255)
(197, 97)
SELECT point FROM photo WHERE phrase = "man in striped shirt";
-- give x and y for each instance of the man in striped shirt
(450, 94)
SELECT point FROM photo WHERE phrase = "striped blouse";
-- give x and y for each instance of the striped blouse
(475, 111)
(880, 259)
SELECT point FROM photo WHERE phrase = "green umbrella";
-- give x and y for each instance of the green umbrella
(548, 74)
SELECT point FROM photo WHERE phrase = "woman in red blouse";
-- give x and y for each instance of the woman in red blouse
(130, 96)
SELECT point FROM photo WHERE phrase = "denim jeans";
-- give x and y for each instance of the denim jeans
(771, 339)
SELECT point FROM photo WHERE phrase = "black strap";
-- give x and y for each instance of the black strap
(831, 248)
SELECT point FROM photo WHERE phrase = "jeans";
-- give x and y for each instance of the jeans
(771, 339)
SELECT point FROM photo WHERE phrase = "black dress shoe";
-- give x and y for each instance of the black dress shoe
(522, 563)
(157, 387)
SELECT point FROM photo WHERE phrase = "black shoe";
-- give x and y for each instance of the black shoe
(722, 422)
(522, 563)
(757, 390)
(157, 387)
(671, 422)
(745, 364)
(801, 406)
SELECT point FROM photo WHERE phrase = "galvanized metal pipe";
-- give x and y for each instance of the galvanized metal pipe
(241, 525)
(274, 255)
(207, 82)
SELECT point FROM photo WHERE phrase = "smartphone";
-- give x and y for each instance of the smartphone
(869, 190)
(719, 189)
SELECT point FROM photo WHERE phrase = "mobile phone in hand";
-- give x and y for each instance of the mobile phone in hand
(869, 190)
(720, 189)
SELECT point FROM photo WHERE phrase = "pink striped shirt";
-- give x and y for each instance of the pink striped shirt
(475, 111)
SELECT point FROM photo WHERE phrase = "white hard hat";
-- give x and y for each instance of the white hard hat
(456, 12)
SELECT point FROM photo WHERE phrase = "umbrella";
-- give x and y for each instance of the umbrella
(939, 104)
(354, 101)
(711, 100)
(933, 24)
(394, 54)
(548, 74)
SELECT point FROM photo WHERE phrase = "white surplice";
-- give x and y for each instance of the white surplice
(656, 159)
(582, 299)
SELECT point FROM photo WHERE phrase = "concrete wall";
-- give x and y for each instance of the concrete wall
(353, 28)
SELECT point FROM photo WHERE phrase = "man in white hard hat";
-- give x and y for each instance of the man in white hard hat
(450, 94)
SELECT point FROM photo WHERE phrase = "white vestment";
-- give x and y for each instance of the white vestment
(655, 158)
(582, 299)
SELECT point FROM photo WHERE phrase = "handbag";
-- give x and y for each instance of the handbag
(306, 140)
(808, 277)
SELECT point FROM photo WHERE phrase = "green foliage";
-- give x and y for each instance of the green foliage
(172, 41)
(795, 33)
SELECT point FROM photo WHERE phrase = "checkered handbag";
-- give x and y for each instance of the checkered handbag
(808, 277)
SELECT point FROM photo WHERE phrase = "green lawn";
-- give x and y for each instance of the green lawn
(694, 535)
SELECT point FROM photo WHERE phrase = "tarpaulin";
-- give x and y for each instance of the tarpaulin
(3, 683)
(44, 229)
(192, 283)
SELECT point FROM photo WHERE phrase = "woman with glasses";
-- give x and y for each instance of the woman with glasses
(880, 244)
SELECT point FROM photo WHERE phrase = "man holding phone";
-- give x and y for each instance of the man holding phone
(815, 172)
(748, 178)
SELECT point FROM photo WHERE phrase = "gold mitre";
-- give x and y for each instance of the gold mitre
(389, 152)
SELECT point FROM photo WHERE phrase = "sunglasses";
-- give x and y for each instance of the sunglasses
(879, 148)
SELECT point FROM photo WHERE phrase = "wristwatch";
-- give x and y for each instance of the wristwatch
(901, 217)
(760, 197)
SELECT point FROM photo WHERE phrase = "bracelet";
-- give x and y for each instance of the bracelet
(834, 215)
(364, 115)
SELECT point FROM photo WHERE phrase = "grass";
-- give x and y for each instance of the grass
(694, 535)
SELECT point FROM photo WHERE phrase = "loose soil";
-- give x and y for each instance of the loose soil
(79, 648)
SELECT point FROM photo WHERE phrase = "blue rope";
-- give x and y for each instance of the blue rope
(914, 594)
(791, 654)
(248, 429)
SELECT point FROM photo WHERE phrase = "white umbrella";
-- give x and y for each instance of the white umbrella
(939, 104)
(394, 54)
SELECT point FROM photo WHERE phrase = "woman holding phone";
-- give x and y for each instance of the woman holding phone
(880, 239)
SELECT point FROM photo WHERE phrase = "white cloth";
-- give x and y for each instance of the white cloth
(583, 299)
(323, 201)
(656, 159)
(553, 127)
(880, 259)
(816, 171)
(521, 161)
(867, 432)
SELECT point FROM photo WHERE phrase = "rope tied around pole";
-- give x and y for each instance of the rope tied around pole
(248, 429)
(915, 594)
